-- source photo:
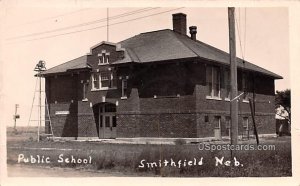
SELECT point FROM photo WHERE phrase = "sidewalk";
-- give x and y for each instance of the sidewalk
(169, 141)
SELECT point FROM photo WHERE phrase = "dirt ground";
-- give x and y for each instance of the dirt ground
(121, 159)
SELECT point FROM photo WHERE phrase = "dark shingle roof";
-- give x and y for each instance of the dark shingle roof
(167, 45)
(78, 63)
(163, 45)
(157, 46)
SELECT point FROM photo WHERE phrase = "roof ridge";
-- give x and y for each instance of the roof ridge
(200, 42)
(120, 42)
(184, 43)
(166, 29)
(130, 51)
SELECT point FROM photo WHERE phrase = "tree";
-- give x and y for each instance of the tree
(283, 99)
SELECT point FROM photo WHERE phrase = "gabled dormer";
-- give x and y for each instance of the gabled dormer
(105, 53)
(101, 56)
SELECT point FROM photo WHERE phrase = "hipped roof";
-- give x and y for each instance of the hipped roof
(165, 45)
(75, 64)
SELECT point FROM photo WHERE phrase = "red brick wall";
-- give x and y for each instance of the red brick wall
(62, 88)
(93, 58)
(86, 121)
(64, 125)
(142, 115)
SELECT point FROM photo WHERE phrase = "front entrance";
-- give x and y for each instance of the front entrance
(221, 128)
(107, 122)
(218, 128)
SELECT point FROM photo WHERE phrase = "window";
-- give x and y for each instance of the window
(95, 80)
(228, 122)
(213, 81)
(103, 57)
(108, 80)
(228, 125)
(104, 80)
(227, 84)
(124, 88)
(245, 86)
(85, 85)
(245, 123)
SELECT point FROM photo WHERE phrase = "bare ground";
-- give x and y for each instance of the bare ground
(121, 159)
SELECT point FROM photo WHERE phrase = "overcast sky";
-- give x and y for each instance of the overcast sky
(35, 33)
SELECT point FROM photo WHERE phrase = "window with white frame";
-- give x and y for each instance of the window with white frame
(85, 85)
(246, 123)
(95, 80)
(108, 79)
(228, 122)
(213, 82)
(124, 87)
(103, 57)
(104, 80)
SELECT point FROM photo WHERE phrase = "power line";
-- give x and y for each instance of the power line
(48, 18)
(240, 42)
(107, 24)
(245, 17)
(73, 32)
(84, 24)
(243, 49)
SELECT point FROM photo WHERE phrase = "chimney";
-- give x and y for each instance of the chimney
(179, 23)
(193, 32)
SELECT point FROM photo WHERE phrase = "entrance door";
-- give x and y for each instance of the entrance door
(107, 121)
(218, 128)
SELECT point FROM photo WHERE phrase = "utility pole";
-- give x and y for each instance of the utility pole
(233, 78)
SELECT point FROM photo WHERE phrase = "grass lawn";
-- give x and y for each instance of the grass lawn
(128, 157)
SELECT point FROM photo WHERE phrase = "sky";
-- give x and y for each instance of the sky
(33, 33)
